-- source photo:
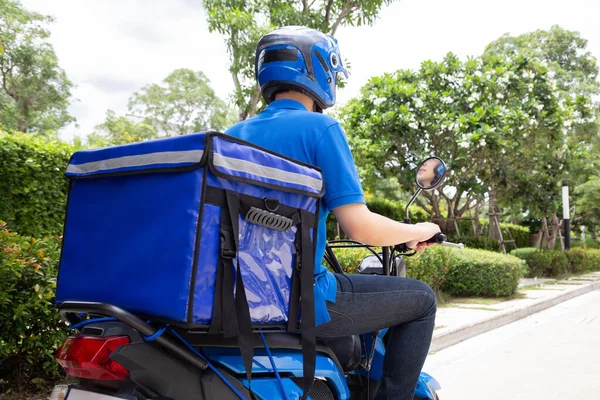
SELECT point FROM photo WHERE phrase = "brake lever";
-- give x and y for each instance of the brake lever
(438, 238)
(455, 245)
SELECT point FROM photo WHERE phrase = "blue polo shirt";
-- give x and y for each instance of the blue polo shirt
(286, 127)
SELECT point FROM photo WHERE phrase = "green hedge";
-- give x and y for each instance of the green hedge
(482, 273)
(350, 258)
(395, 210)
(553, 263)
(431, 266)
(520, 233)
(33, 188)
(547, 263)
(478, 242)
(588, 243)
(461, 272)
(30, 327)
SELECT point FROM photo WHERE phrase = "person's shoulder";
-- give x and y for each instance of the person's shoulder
(323, 121)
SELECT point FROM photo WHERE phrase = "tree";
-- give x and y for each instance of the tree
(117, 130)
(184, 103)
(244, 22)
(35, 92)
(588, 205)
(575, 72)
(565, 53)
(496, 122)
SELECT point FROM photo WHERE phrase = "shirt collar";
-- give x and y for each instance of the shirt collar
(286, 104)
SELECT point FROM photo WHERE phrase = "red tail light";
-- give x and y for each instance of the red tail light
(89, 357)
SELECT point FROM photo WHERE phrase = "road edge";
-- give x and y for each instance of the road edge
(460, 334)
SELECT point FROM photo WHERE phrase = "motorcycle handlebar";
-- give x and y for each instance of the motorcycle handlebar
(438, 238)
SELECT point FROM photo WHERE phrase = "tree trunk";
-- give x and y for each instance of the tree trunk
(22, 123)
(476, 222)
(544, 234)
(21, 127)
(553, 233)
(493, 231)
(435, 205)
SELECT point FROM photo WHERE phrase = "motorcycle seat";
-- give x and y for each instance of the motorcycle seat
(346, 350)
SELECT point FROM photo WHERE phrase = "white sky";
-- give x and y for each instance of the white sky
(111, 48)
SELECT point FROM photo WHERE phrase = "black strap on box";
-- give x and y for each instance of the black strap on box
(231, 314)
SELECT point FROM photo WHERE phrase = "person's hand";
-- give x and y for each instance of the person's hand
(421, 246)
(427, 230)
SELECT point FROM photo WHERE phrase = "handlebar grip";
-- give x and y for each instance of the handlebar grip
(438, 238)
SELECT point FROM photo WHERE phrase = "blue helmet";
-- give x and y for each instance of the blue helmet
(302, 59)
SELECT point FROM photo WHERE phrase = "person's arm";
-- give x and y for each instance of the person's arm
(364, 226)
(344, 196)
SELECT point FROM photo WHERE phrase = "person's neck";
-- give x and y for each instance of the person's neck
(306, 101)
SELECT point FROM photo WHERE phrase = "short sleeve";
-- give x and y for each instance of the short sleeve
(333, 156)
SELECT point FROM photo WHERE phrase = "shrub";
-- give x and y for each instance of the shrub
(479, 242)
(465, 226)
(520, 233)
(33, 188)
(583, 260)
(482, 273)
(395, 210)
(461, 272)
(588, 243)
(431, 266)
(30, 327)
(350, 258)
(548, 263)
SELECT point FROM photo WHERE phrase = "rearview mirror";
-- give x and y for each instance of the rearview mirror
(431, 173)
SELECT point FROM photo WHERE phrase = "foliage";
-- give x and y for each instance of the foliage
(34, 91)
(431, 266)
(30, 327)
(117, 130)
(33, 188)
(566, 53)
(478, 242)
(574, 70)
(520, 233)
(482, 273)
(497, 123)
(588, 243)
(350, 258)
(543, 263)
(242, 23)
(461, 272)
(583, 260)
(182, 104)
(588, 203)
(395, 210)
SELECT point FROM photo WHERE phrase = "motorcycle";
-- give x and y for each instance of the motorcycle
(120, 355)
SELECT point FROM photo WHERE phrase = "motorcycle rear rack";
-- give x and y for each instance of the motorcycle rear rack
(70, 311)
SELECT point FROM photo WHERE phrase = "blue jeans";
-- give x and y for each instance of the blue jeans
(367, 303)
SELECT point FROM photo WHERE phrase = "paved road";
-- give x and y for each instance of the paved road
(554, 354)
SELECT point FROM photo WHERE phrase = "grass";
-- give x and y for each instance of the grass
(471, 308)
(584, 279)
(448, 300)
(539, 287)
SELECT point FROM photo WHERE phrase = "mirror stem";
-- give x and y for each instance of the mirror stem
(412, 199)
